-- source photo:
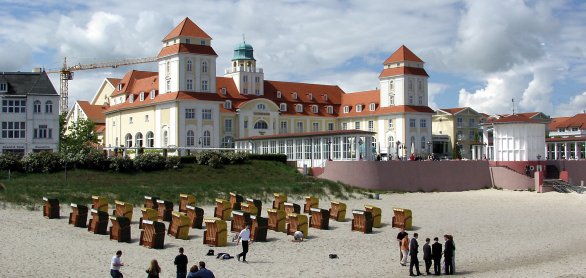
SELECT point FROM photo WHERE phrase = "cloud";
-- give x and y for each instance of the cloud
(433, 91)
(576, 105)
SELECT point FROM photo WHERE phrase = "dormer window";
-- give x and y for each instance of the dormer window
(294, 94)
(141, 96)
(223, 91)
(203, 42)
(283, 107)
(372, 106)
(279, 94)
(346, 109)
(330, 109)
(310, 96)
(358, 108)
(120, 87)
(188, 41)
(131, 98)
(314, 108)
(299, 108)
(325, 97)
(152, 94)
(3, 87)
(228, 104)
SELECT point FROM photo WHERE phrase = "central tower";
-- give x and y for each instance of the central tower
(248, 79)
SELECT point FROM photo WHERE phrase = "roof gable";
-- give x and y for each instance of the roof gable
(28, 83)
(402, 54)
(187, 28)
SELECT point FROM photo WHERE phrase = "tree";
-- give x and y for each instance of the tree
(81, 135)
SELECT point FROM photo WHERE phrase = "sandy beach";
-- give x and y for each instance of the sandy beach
(496, 233)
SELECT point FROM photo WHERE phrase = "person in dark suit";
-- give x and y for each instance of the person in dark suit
(413, 250)
(436, 253)
(448, 255)
(427, 256)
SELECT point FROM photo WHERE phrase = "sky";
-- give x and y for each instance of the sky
(478, 53)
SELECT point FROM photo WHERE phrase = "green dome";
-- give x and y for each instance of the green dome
(243, 51)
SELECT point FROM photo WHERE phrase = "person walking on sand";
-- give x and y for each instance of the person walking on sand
(448, 255)
(181, 262)
(244, 236)
(427, 256)
(400, 237)
(436, 253)
(405, 249)
(413, 250)
(153, 270)
(115, 265)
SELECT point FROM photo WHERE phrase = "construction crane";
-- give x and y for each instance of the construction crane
(66, 74)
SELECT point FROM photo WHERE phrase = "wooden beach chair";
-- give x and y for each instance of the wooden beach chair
(239, 220)
(165, 209)
(292, 208)
(179, 226)
(223, 209)
(279, 202)
(148, 214)
(235, 201)
(153, 234)
(376, 215)
(151, 202)
(100, 203)
(51, 208)
(319, 218)
(186, 200)
(257, 203)
(276, 220)
(123, 209)
(195, 215)
(78, 215)
(249, 208)
(259, 227)
(402, 219)
(338, 211)
(362, 221)
(120, 229)
(297, 222)
(310, 202)
(216, 233)
(99, 222)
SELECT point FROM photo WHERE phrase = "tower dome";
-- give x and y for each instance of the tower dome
(243, 51)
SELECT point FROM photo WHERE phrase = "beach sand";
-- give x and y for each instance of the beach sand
(496, 233)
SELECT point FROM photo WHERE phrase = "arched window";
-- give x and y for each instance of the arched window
(204, 66)
(150, 137)
(165, 138)
(261, 106)
(391, 141)
(261, 125)
(189, 65)
(37, 107)
(128, 140)
(49, 107)
(228, 142)
(138, 140)
(190, 138)
(207, 138)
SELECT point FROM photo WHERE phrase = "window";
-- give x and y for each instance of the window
(16, 106)
(315, 127)
(346, 109)
(283, 127)
(189, 65)
(411, 122)
(391, 86)
(410, 99)
(189, 84)
(141, 96)
(228, 104)
(167, 67)
(168, 86)
(299, 127)
(114, 124)
(190, 138)
(372, 106)
(261, 125)
(224, 91)
(419, 85)
(314, 108)
(257, 92)
(150, 139)
(423, 123)
(152, 94)
(310, 96)
(207, 138)
(187, 41)
(294, 95)
(326, 97)
(359, 108)
(356, 125)
(471, 122)
(410, 85)
(283, 106)
(330, 109)
(227, 125)
(37, 106)
(13, 130)
(42, 132)
(261, 106)
(228, 142)
(299, 108)
(344, 126)
(130, 120)
(138, 140)
(146, 118)
(49, 107)
(245, 91)
(245, 78)
(120, 85)
(279, 94)
(390, 123)
(206, 114)
(370, 125)
(460, 122)
(202, 42)
(420, 100)
(471, 135)
(330, 126)
(3, 87)
(256, 79)
(392, 100)
(165, 138)
(204, 85)
(190, 113)
(423, 142)
(460, 135)
(245, 124)
(128, 140)
(131, 98)
(204, 66)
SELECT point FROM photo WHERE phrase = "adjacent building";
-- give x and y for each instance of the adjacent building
(513, 137)
(457, 128)
(30, 113)
(567, 137)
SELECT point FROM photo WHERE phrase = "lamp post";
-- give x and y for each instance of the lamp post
(429, 147)
(397, 146)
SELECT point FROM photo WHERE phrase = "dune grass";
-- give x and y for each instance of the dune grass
(256, 179)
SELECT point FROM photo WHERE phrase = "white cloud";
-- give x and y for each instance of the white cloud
(576, 105)
(433, 91)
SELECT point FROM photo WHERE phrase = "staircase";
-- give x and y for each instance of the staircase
(563, 187)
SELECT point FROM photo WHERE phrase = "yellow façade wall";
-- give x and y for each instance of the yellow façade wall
(133, 122)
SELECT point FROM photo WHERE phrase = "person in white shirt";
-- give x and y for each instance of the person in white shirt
(244, 236)
(115, 265)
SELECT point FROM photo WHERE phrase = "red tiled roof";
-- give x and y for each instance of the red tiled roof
(186, 48)
(138, 81)
(308, 134)
(95, 113)
(100, 128)
(555, 123)
(566, 139)
(114, 81)
(578, 120)
(403, 70)
(366, 98)
(187, 28)
(402, 54)
(516, 118)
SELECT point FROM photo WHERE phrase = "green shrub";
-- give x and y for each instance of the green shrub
(121, 164)
(235, 157)
(204, 157)
(215, 160)
(149, 162)
(9, 161)
(42, 162)
(173, 162)
(270, 157)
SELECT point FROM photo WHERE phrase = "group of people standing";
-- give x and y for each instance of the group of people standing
(431, 252)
